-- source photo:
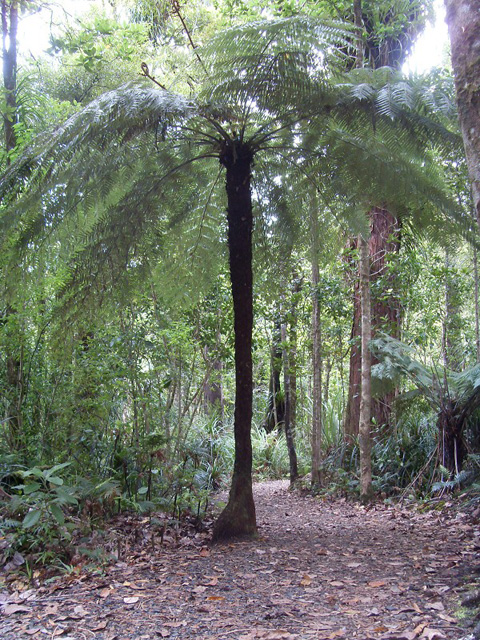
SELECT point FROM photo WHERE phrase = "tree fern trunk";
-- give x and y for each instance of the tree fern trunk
(238, 517)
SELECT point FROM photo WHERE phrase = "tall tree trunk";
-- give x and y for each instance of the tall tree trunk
(238, 518)
(290, 382)
(477, 309)
(365, 440)
(9, 38)
(276, 403)
(14, 373)
(384, 241)
(463, 18)
(317, 426)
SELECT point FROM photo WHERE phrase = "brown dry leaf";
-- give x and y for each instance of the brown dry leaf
(10, 609)
(419, 628)
(204, 553)
(216, 598)
(104, 593)
(337, 634)
(306, 581)
(322, 552)
(99, 626)
(213, 582)
(377, 583)
(51, 609)
(131, 600)
(33, 631)
(432, 634)
(80, 611)
(447, 618)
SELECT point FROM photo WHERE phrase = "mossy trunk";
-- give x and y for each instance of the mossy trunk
(238, 518)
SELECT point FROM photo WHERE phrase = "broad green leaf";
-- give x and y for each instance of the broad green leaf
(54, 469)
(31, 518)
(55, 480)
(30, 488)
(57, 513)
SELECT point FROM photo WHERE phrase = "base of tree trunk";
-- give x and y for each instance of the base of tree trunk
(238, 519)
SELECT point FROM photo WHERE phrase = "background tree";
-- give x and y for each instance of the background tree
(463, 18)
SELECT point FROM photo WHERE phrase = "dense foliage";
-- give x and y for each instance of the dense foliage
(117, 339)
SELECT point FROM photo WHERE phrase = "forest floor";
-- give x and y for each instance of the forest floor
(320, 569)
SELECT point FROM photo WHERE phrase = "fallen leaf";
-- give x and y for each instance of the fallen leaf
(215, 598)
(80, 611)
(377, 583)
(131, 600)
(336, 583)
(33, 631)
(432, 634)
(10, 609)
(204, 553)
(104, 593)
(306, 581)
(447, 618)
(437, 606)
(99, 626)
(164, 633)
(51, 609)
(337, 634)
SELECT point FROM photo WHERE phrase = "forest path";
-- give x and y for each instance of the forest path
(319, 570)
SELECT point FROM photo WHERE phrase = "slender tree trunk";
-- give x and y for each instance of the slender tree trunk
(14, 356)
(276, 404)
(9, 33)
(477, 310)
(317, 426)
(212, 386)
(290, 389)
(463, 18)
(366, 489)
(384, 241)
(238, 518)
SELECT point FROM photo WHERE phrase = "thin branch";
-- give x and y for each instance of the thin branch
(146, 74)
(176, 9)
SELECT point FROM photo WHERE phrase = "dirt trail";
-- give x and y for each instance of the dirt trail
(319, 570)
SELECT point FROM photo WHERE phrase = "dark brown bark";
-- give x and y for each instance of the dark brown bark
(463, 18)
(452, 449)
(238, 518)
